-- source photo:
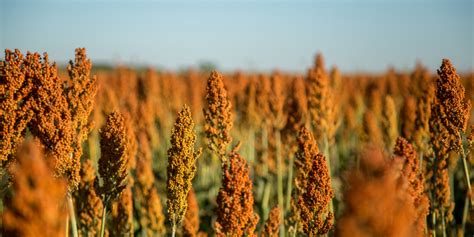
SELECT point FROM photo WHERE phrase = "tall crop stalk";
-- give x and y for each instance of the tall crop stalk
(466, 172)
(289, 187)
(267, 190)
(280, 194)
(266, 182)
(104, 211)
(72, 215)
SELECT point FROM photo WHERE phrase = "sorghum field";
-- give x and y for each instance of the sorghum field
(141, 152)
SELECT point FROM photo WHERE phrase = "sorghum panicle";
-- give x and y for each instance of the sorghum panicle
(272, 225)
(218, 115)
(52, 121)
(313, 202)
(235, 215)
(15, 89)
(113, 162)
(296, 109)
(377, 187)
(36, 208)
(451, 99)
(416, 188)
(181, 165)
(390, 122)
(80, 94)
(88, 204)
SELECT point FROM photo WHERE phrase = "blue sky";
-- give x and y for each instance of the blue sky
(249, 35)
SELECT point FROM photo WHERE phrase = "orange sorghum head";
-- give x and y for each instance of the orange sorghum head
(36, 207)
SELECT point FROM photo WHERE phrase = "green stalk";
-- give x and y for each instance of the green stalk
(433, 221)
(72, 215)
(296, 230)
(266, 199)
(279, 179)
(251, 146)
(173, 232)
(466, 173)
(265, 151)
(102, 225)
(432, 202)
(289, 184)
(266, 182)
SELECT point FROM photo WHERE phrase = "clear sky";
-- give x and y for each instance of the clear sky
(250, 35)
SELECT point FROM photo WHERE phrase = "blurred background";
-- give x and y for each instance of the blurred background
(259, 35)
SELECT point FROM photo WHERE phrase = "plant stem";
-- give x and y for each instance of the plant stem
(72, 215)
(466, 173)
(265, 151)
(296, 230)
(289, 184)
(266, 198)
(280, 179)
(251, 146)
(102, 224)
(173, 229)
